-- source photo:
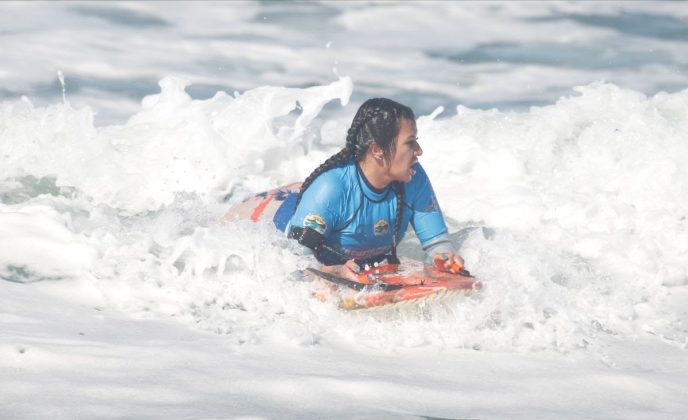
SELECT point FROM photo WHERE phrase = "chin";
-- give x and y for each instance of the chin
(407, 178)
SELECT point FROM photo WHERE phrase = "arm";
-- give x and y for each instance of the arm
(429, 224)
(442, 254)
(314, 244)
(348, 270)
(319, 211)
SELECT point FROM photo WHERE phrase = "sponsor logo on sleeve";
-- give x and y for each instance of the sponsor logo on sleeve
(381, 227)
(315, 222)
(432, 206)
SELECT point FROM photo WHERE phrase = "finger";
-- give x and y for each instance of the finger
(439, 261)
(457, 266)
(352, 271)
(454, 264)
(351, 264)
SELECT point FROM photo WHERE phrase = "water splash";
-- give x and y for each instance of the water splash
(60, 76)
(574, 244)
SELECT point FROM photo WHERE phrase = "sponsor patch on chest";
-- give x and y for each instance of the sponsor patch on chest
(381, 227)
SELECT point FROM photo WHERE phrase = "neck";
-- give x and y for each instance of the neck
(374, 172)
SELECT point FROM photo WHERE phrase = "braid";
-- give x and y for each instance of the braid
(376, 121)
(338, 158)
(363, 137)
(357, 143)
(399, 191)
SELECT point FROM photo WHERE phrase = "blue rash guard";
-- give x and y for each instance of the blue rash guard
(357, 220)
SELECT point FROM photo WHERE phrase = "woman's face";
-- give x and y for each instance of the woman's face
(406, 153)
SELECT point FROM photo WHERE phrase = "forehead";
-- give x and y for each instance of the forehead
(407, 128)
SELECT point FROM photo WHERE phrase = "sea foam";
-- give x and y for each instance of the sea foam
(573, 215)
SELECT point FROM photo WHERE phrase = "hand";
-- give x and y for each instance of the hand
(349, 270)
(449, 262)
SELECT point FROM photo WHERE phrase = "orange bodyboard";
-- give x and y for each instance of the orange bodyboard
(261, 206)
(390, 284)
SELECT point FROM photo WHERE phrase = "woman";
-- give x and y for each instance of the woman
(355, 207)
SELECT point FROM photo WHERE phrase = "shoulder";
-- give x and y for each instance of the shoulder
(332, 187)
(419, 182)
(324, 201)
(420, 172)
(333, 182)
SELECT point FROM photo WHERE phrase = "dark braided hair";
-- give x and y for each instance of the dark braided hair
(377, 120)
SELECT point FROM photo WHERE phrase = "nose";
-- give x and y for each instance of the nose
(419, 150)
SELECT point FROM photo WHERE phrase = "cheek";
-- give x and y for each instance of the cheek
(406, 157)
(401, 165)
(398, 162)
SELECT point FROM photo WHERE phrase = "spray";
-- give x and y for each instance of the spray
(60, 76)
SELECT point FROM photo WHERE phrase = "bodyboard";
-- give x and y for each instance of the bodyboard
(390, 284)
(378, 286)
(262, 206)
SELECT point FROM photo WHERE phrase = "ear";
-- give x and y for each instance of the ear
(376, 151)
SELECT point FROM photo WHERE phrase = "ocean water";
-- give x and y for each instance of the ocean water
(426, 54)
(554, 134)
